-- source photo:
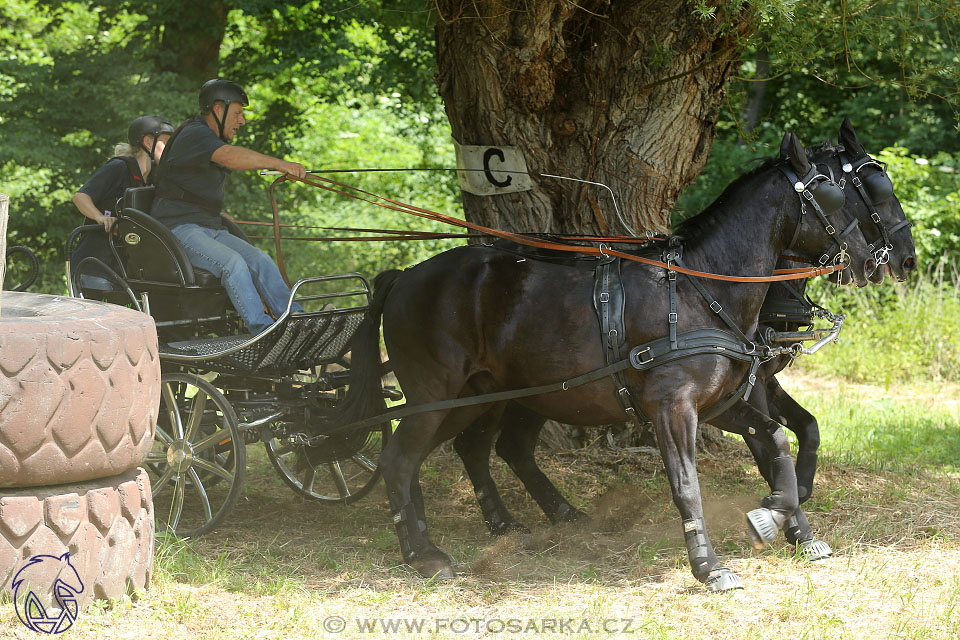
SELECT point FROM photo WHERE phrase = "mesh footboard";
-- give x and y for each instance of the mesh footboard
(294, 343)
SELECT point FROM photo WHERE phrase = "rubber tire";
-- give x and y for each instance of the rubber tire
(79, 389)
(106, 525)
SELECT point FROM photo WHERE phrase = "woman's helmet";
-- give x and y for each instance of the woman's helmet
(154, 126)
(220, 90)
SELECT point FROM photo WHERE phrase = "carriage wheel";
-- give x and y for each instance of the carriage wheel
(198, 458)
(339, 470)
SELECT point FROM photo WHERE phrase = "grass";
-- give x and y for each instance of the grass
(279, 567)
(896, 333)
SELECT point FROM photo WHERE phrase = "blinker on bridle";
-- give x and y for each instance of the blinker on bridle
(875, 188)
(825, 197)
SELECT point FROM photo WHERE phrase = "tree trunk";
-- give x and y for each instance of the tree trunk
(192, 35)
(626, 94)
(757, 91)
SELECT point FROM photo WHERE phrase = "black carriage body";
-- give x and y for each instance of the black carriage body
(221, 387)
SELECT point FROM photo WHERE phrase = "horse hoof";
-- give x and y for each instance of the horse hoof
(567, 514)
(435, 566)
(814, 550)
(722, 579)
(762, 528)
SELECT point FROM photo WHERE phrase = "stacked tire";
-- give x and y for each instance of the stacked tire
(79, 395)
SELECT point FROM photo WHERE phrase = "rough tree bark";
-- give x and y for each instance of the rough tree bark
(623, 93)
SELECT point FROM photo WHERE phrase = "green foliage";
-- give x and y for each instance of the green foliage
(891, 66)
(929, 191)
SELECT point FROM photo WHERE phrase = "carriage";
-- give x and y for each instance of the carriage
(222, 389)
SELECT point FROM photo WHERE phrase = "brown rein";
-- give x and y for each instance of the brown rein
(344, 190)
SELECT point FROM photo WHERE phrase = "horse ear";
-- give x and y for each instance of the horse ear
(848, 138)
(796, 155)
(785, 146)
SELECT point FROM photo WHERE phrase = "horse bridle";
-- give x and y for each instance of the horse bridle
(825, 197)
(873, 190)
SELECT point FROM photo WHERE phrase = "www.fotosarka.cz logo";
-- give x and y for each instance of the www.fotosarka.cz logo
(45, 593)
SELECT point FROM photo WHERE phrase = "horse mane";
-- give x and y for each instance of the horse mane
(695, 226)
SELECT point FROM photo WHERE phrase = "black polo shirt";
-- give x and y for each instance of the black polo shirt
(187, 165)
(109, 182)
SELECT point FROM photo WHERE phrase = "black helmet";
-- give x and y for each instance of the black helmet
(220, 89)
(148, 126)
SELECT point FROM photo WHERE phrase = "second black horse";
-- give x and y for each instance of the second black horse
(475, 320)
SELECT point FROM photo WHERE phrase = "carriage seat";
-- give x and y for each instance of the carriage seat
(159, 255)
(156, 263)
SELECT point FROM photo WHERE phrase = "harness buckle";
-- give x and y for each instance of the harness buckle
(808, 195)
(672, 317)
(824, 259)
(856, 181)
(671, 274)
(642, 351)
(715, 306)
(875, 217)
(604, 297)
(831, 229)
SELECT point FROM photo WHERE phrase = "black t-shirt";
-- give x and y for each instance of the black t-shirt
(187, 166)
(109, 182)
(105, 187)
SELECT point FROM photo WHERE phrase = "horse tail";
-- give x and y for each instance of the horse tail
(364, 397)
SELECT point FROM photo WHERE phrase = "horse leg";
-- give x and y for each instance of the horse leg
(675, 421)
(805, 426)
(779, 506)
(797, 529)
(473, 446)
(415, 437)
(516, 445)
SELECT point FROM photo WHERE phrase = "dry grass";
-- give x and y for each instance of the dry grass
(282, 568)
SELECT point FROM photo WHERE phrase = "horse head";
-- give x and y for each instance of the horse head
(827, 229)
(884, 224)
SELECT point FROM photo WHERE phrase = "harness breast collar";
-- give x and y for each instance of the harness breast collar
(731, 342)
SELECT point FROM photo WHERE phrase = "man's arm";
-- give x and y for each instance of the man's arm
(243, 159)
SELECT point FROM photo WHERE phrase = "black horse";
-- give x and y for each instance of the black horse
(870, 197)
(475, 320)
(869, 192)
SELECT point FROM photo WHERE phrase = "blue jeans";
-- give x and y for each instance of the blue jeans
(247, 273)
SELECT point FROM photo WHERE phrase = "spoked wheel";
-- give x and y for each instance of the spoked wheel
(338, 470)
(198, 458)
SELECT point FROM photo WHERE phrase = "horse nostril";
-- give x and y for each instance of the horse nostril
(909, 264)
(869, 267)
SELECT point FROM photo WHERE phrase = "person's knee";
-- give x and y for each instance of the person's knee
(233, 264)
